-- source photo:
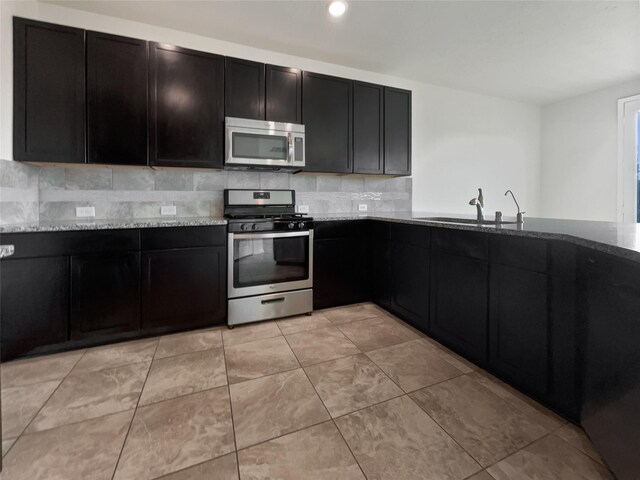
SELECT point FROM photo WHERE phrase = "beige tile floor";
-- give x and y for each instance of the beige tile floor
(349, 393)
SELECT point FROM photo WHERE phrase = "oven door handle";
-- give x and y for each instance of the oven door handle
(245, 236)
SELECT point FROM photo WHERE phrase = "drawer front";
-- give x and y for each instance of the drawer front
(339, 229)
(526, 253)
(461, 243)
(183, 237)
(49, 244)
(417, 236)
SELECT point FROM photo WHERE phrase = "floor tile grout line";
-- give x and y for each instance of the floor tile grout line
(349, 447)
(43, 404)
(453, 439)
(233, 423)
(217, 457)
(135, 411)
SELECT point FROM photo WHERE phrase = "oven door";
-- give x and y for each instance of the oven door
(251, 146)
(260, 263)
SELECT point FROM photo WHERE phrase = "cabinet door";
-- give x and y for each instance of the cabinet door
(368, 128)
(397, 131)
(48, 92)
(459, 298)
(184, 287)
(519, 327)
(116, 99)
(610, 304)
(34, 304)
(327, 116)
(410, 283)
(186, 127)
(244, 89)
(380, 263)
(339, 272)
(284, 94)
(105, 294)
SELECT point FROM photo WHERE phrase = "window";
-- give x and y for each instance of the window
(629, 159)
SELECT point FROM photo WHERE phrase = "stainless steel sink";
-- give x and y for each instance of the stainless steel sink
(466, 221)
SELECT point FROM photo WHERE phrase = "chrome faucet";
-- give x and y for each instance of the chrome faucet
(519, 217)
(479, 203)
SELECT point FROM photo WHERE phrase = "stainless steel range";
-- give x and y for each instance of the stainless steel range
(270, 256)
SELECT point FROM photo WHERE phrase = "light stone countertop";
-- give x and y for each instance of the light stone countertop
(111, 224)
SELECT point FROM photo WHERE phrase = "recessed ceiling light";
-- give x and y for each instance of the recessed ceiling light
(337, 8)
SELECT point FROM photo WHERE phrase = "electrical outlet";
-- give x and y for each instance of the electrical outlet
(362, 207)
(303, 208)
(84, 212)
(168, 210)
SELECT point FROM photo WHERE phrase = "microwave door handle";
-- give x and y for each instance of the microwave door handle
(291, 153)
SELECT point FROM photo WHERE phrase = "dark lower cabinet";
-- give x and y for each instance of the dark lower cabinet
(284, 94)
(184, 287)
(34, 306)
(186, 122)
(105, 294)
(48, 92)
(459, 303)
(380, 263)
(116, 99)
(409, 267)
(397, 131)
(610, 302)
(519, 335)
(244, 89)
(340, 266)
(368, 128)
(327, 117)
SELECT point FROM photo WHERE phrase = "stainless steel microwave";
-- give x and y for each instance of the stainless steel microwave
(258, 143)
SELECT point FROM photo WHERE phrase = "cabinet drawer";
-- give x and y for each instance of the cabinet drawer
(417, 236)
(464, 244)
(527, 253)
(48, 244)
(172, 237)
(339, 229)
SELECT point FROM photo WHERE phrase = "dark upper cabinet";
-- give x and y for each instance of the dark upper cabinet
(519, 327)
(35, 304)
(244, 89)
(340, 267)
(368, 128)
(327, 116)
(105, 294)
(184, 288)
(48, 92)
(186, 109)
(397, 131)
(116, 99)
(460, 291)
(284, 94)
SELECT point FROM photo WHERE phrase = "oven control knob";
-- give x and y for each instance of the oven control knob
(244, 226)
(301, 225)
(291, 225)
(254, 227)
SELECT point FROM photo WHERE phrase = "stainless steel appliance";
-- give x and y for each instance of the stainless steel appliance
(270, 256)
(258, 144)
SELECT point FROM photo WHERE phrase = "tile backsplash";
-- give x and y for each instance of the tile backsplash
(30, 193)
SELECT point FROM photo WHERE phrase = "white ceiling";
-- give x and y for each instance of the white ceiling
(533, 51)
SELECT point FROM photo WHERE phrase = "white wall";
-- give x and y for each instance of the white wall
(460, 140)
(579, 163)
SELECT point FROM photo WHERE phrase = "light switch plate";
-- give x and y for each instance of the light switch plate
(168, 210)
(362, 207)
(303, 208)
(85, 212)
